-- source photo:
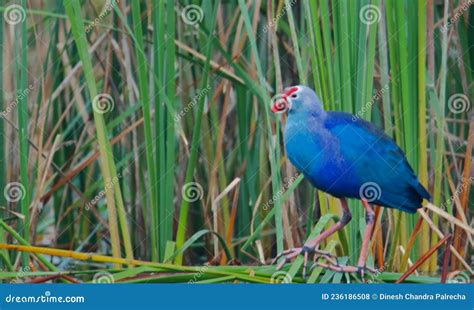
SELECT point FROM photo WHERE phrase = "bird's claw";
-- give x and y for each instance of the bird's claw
(332, 261)
(331, 258)
(290, 254)
(360, 270)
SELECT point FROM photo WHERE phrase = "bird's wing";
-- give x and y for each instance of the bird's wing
(366, 145)
(375, 157)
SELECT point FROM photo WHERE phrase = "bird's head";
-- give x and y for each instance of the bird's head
(297, 98)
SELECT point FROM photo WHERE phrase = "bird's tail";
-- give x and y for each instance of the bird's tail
(409, 200)
(420, 189)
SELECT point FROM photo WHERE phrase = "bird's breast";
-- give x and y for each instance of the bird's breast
(317, 155)
(307, 149)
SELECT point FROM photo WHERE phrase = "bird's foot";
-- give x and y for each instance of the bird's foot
(360, 270)
(291, 254)
(331, 258)
(288, 255)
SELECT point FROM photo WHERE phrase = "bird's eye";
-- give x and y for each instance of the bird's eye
(294, 96)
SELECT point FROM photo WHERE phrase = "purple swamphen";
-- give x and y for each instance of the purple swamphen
(346, 157)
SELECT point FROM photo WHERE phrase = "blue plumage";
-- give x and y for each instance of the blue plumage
(346, 156)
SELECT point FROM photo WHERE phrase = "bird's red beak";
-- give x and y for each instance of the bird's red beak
(280, 102)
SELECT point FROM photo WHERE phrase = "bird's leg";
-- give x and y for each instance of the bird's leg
(370, 221)
(310, 246)
(360, 268)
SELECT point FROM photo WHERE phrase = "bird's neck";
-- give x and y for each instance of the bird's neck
(309, 119)
(304, 138)
(305, 126)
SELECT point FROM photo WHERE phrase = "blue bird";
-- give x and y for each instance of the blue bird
(346, 157)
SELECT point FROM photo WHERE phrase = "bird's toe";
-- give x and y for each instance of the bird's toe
(288, 255)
